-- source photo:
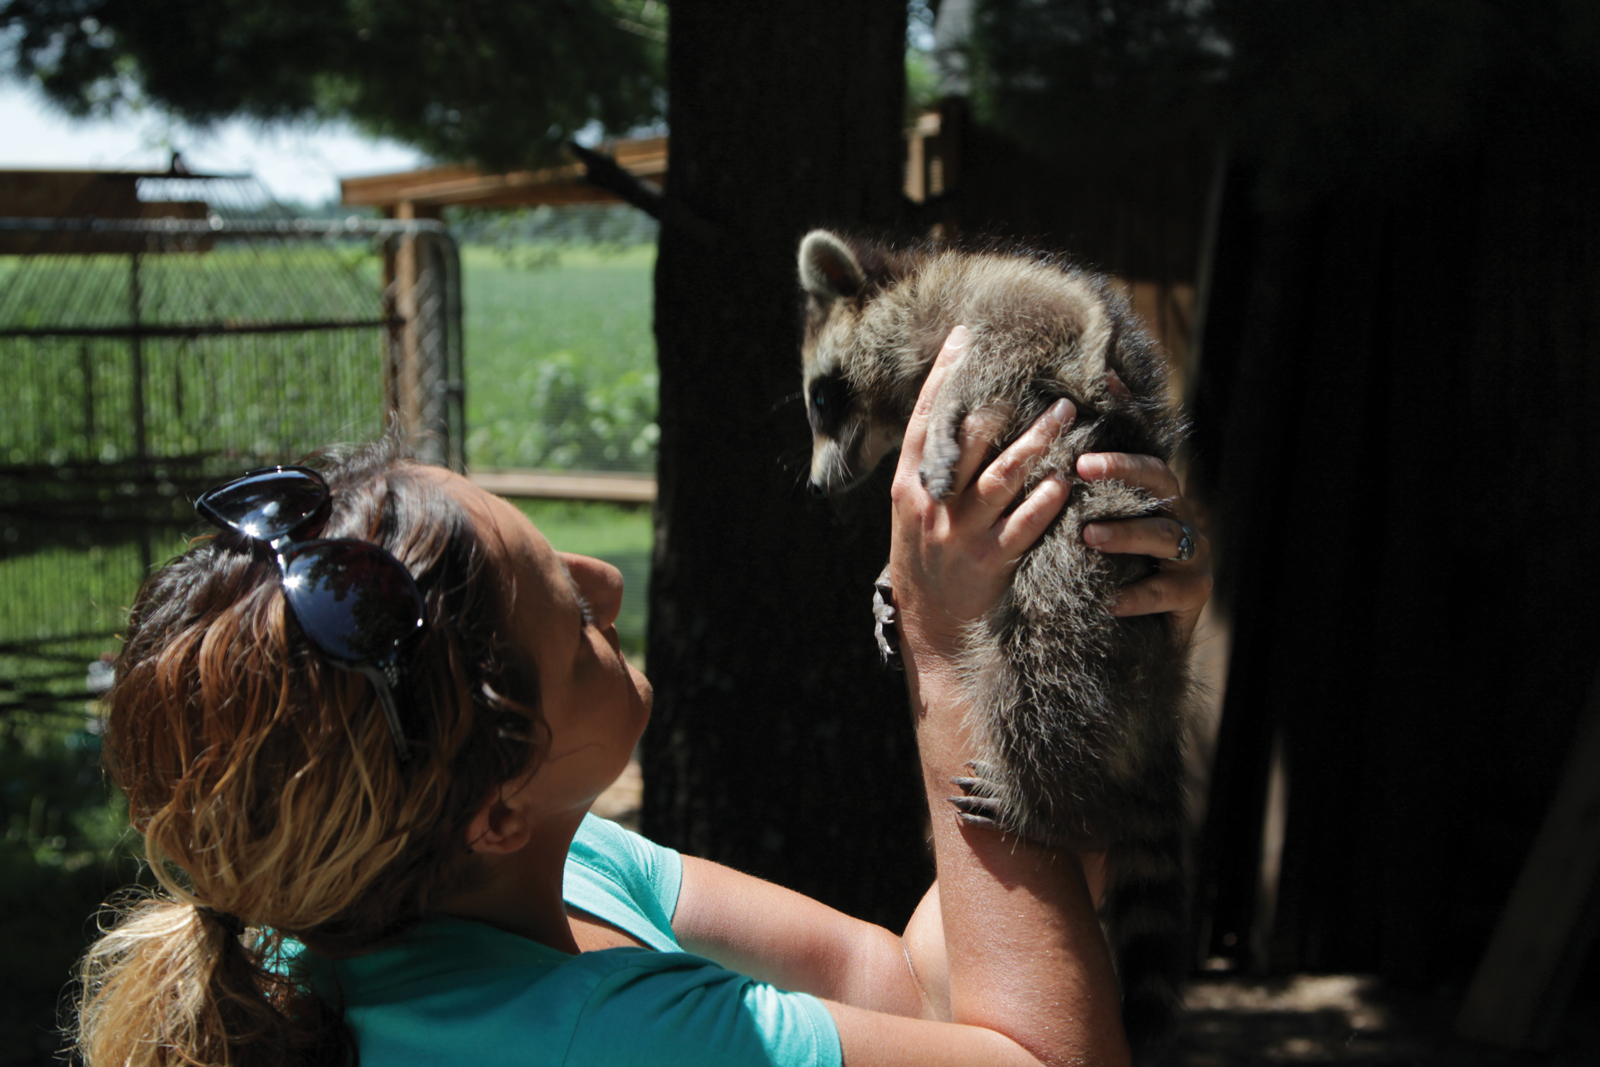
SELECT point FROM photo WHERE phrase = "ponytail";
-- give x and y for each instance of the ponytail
(171, 984)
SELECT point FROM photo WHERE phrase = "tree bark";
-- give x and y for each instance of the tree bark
(779, 744)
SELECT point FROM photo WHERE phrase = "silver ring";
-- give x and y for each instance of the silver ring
(1187, 543)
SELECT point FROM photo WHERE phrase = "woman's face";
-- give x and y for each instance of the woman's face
(562, 613)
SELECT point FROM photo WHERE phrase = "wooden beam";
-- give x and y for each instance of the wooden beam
(644, 158)
(552, 485)
(1519, 994)
(76, 195)
(45, 194)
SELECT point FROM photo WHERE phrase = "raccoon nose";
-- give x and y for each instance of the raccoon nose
(818, 492)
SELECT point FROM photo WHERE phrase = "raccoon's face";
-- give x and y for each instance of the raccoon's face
(849, 435)
(847, 442)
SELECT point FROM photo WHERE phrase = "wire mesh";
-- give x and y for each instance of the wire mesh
(170, 332)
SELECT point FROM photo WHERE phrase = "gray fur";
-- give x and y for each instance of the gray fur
(1080, 714)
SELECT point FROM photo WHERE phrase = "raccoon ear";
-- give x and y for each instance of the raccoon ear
(829, 271)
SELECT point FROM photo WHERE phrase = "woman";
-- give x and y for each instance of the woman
(368, 802)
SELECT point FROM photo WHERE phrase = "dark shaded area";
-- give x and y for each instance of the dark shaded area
(1348, 1019)
(1394, 427)
(1107, 93)
(1142, 222)
(55, 871)
(1396, 388)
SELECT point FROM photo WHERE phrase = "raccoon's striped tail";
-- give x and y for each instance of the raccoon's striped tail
(1144, 911)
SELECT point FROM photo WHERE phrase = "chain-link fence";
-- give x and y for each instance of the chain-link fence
(147, 357)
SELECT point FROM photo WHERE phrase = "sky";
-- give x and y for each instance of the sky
(301, 165)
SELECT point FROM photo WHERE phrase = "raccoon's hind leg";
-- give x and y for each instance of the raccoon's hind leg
(979, 804)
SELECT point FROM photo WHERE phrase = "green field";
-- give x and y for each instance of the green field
(560, 365)
(560, 359)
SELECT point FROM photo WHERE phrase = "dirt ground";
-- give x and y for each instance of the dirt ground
(1350, 1019)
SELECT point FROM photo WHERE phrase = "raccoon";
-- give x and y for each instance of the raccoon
(1080, 714)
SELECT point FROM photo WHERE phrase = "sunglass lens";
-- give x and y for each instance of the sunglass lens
(266, 505)
(355, 601)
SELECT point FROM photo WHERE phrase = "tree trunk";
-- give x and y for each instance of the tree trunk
(778, 745)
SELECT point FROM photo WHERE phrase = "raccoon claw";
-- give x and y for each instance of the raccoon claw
(977, 812)
(979, 806)
(884, 627)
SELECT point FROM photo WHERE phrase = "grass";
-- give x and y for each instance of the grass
(560, 360)
(561, 368)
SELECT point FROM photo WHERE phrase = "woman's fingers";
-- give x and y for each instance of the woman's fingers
(1017, 531)
(997, 487)
(1183, 584)
(1146, 472)
(1181, 592)
(1160, 536)
(1179, 589)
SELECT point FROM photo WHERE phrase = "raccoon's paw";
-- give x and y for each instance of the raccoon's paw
(938, 476)
(885, 624)
(941, 452)
(979, 805)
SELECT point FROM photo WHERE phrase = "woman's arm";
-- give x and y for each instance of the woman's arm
(786, 938)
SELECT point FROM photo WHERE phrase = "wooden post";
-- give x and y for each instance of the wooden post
(406, 391)
(407, 399)
(1519, 995)
(916, 164)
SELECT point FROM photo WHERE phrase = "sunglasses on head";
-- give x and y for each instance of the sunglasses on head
(354, 601)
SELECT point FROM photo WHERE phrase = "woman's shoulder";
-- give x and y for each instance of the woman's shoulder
(607, 846)
(625, 879)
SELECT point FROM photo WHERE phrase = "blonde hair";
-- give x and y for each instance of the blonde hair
(265, 783)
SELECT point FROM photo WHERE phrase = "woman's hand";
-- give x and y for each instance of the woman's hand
(951, 560)
(1180, 588)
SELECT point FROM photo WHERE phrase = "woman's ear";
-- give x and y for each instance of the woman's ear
(501, 825)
